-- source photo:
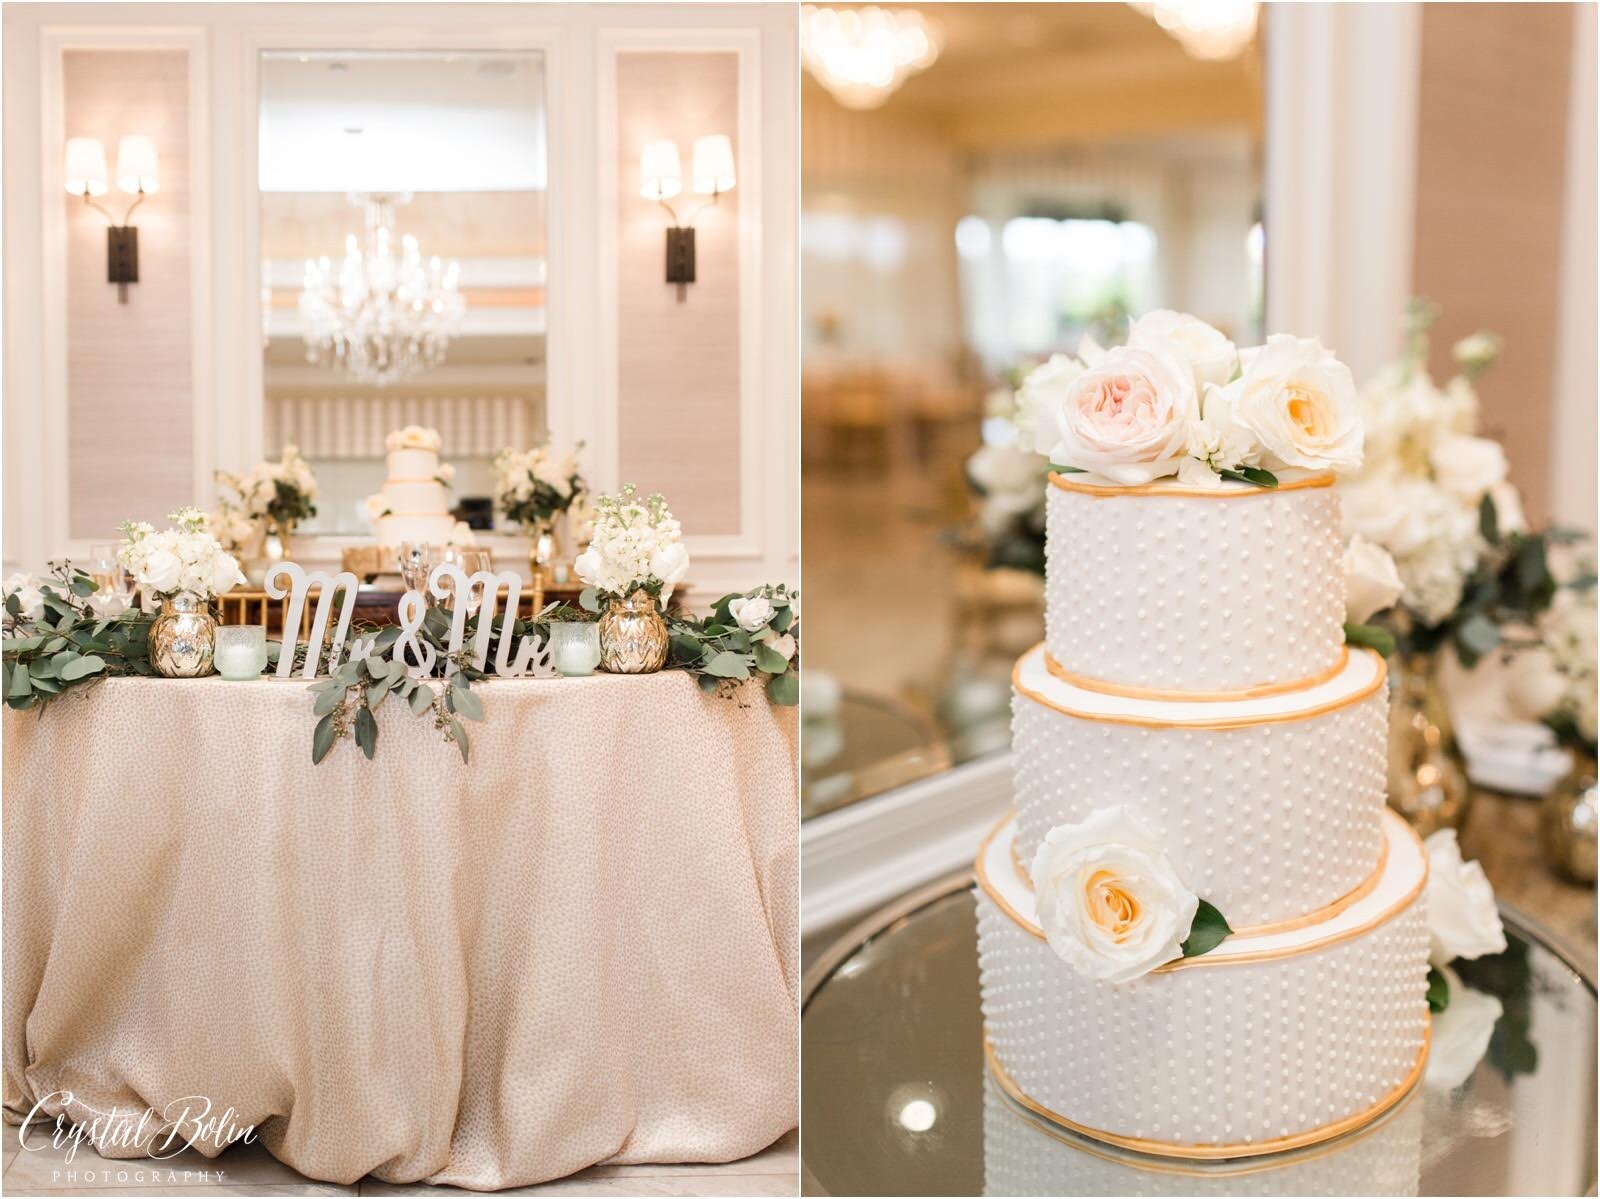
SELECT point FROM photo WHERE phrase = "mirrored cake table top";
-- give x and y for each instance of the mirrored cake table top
(897, 1100)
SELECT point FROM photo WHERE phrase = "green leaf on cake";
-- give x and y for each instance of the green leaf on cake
(1067, 470)
(1208, 931)
(1252, 475)
(1370, 636)
(1438, 990)
(1488, 519)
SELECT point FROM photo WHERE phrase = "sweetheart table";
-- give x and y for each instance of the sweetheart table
(577, 948)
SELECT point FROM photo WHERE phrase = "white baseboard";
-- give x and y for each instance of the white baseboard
(860, 857)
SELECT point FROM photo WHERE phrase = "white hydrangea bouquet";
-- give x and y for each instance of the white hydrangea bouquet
(185, 558)
(533, 487)
(270, 496)
(636, 546)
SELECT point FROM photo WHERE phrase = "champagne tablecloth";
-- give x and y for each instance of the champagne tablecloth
(578, 948)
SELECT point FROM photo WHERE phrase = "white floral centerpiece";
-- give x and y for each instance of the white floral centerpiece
(270, 497)
(185, 558)
(1552, 679)
(636, 546)
(533, 487)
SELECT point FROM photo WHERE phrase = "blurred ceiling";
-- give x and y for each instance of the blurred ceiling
(1029, 74)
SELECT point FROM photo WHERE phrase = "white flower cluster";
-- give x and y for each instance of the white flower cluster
(29, 593)
(285, 490)
(1006, 469)
(1418, 494)
(533, 485)
(636, 543)
(755, 612)
(1556, 676)
(1180, 399)
(184, 558)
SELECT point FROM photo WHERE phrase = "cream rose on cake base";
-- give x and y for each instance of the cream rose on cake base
(1463, 921)
(1110, 903)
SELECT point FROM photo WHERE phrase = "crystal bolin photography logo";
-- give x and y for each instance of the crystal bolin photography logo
(189, 1122)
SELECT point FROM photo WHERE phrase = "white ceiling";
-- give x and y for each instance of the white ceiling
(353, 122)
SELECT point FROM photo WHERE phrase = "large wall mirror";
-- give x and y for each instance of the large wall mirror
(403, 206)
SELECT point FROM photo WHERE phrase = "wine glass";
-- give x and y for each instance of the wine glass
(416, 561)
(105, 570)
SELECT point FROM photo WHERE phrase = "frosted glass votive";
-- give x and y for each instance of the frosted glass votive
(575, 646)
(241, 651)
(560, 573)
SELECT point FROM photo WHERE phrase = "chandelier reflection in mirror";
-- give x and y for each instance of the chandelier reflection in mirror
(861, 55)
(384, 315)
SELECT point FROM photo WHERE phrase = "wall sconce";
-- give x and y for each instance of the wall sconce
(661, 178)
(138, 175)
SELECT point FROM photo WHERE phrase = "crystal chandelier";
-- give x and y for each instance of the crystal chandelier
(861, 55)
(383, 316)
(1212, 30)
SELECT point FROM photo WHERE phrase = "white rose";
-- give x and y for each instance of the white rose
(1044, 387)
(1300, 403)
(1535, 686)
(225, 574)
(752, 613)
(160, 571)
(1468, 466)
(26, 588)
(1126, 418)
(784, 645)
(590, 567)
(1109, 902)
(670, 563)
(1188, 339)
(376, 506)
(1460, 1034)
(446, 474)
(1371, 581)
(1463, 921)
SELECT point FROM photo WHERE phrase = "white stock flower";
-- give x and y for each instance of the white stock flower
(1208, 353)
(1468, 466)
(1461, 1034)
(1463, 921)
(1109, 902)
(1299, 402)
(1126, 418)
(1371, 581)
(752, 613)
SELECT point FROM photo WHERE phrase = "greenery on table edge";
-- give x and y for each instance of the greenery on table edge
(67, 647)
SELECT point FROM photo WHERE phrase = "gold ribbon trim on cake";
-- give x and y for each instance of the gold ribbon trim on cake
(1196, 1152)
(1262, 691)
(1220, 722)
(1326, 912)
(1112, 491)
(1220, 956)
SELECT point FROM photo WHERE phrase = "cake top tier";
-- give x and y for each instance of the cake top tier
(414, 437)
(1179, 400)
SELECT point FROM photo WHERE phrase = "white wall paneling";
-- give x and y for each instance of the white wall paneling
(1341, 104)
(225, 43)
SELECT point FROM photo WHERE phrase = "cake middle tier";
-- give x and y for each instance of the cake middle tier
(1269, 809)
(1223, 593)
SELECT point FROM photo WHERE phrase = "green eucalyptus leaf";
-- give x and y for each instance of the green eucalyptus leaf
(367, 732)
(769, 659)
(18, 645)
(589, 599)
(728, 665)
(322, 739)
(1207, 932)
(1438, 990)
(375, 694)
(784, 689)
(83, 667)
(327, 701)
(47, 686)
(783, 619)
(1252, 475)
(707, 683)
(83, 585)
(1488, 519)
(55, 644)
(1476, 636)
(1370, 637)
(467, 704)
(421, 699)
(459, 735)
(1067, 470)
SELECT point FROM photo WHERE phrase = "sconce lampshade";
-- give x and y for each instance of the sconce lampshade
(85, 166)
(713, 164)
(137, 168)
(660, 175)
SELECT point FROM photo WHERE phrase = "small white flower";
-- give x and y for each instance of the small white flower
(29, 597)
(1371, 580)
(1463, 921)
(783, 645)
(752, 613)
(1109, 902)
(1468, 466)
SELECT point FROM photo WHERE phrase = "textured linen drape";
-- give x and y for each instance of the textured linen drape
(577, 948)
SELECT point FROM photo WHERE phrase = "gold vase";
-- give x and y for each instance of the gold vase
(633, 636)
(1571, 818)
(1426, 782)
(183, 637)
(277, 544)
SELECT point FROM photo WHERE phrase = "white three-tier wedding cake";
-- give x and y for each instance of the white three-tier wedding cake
(414, 504)
(1201, 931)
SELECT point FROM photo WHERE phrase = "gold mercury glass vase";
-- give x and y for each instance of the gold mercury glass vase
(1571, 820)
(183, 638)
(633, 635)
(1426, 783)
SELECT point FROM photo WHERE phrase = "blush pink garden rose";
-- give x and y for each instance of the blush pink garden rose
(1125, 418)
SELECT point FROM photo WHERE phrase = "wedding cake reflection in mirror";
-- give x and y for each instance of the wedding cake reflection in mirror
(402, 619)
(1198, 780)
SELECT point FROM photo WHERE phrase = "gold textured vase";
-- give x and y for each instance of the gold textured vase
(183, 637)
(633, 636)
(1426, 782)
(1571, 820)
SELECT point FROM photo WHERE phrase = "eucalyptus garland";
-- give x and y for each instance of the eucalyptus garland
(55, 641)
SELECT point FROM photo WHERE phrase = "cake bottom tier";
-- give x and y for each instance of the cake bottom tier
(1024, 1156)
(1267, 1043)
